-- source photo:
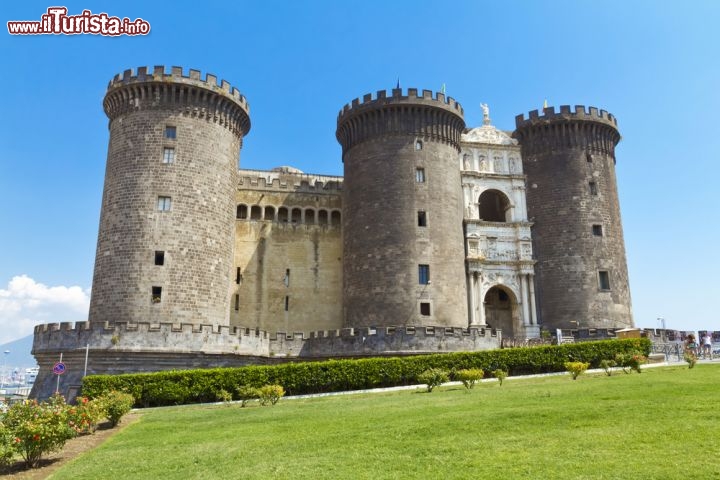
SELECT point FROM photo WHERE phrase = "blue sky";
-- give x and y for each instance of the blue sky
(652, 64)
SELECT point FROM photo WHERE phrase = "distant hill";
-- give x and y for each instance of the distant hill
(19, 355)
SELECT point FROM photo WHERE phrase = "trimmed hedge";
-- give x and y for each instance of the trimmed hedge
(196, 386)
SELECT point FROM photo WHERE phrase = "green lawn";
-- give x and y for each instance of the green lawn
(660, 424)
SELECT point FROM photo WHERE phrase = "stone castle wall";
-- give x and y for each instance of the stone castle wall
(569, 160)
(388, 142)
(195, 183)
(288, 253)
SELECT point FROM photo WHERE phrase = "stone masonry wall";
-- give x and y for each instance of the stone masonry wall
(569, 160)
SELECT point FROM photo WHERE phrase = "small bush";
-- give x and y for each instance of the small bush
(500, 374)
(433, 377)
(631, 361)
(7, 445)
(469, 376)
(85, 416)
(271, 394)
(223, 395)
(38, 428)
(608, 365)
(576, 368)
(246, 393)
(116, 405)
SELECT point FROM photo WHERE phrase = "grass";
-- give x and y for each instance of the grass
(659, 424)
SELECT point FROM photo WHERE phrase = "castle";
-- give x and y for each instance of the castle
(437, 238)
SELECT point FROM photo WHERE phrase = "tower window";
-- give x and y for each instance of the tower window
(164, 204)
(170, 132)
(420, 175)
(604, 280)
(286, 280)
(287, 303)
(159, 257)
(588, 157)
(156, 296)
(422, 218)
(425, 309)
(238, 275)
(237, 302)
(242, 211)
(424, 274)
(593, 188)
(169, 155)
(418, 145)
(597, 230)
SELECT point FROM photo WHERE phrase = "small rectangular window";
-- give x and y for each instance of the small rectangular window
(164, 204)
(593, 188)
(159, 257)
(604, 280)
(420, 175)
(424, 274)
(286, 280)
(238, 276)
(425, 309)
(422, 219)
(169, 155)
(156, 296)
(170, 132)
(589, 157)
(597, 230)
(237, 302)
(287, 303)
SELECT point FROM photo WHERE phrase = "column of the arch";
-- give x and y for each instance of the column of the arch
(473, 298)
(480, 301)
(524, 299)
(533, 307)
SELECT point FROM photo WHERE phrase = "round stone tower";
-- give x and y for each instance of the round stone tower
(572, 199)
(165, 244)
(403, 255)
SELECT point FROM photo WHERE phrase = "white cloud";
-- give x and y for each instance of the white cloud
(26, 303)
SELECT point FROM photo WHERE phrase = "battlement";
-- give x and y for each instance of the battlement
(170, 338)
(204, 98)
(383, 97)
(290, 182)
(566, 114)
(176, 76)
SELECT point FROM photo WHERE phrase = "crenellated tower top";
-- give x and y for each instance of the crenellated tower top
(425, 115)
(204, 98)
(593, 129)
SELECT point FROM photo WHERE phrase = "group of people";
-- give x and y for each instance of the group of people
(704, 349)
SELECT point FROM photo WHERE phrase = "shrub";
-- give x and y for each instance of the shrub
(85, 416)
(500, 374)
(38, 428)
(576, 368)
(631, 361)
(433, 377)
(608, 365)
(247, 393)
(297, 378)
(223, 395)
(7, 445)
(270, 394)
(116, 405)
(469, 376)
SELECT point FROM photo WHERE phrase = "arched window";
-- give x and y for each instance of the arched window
(494, 206)
(418, 144)
(270, 213)
(296, 215)
(282, 214)
(256, 212)
(335, 218)
(242, 211)
(309, 216)
(322, 217)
